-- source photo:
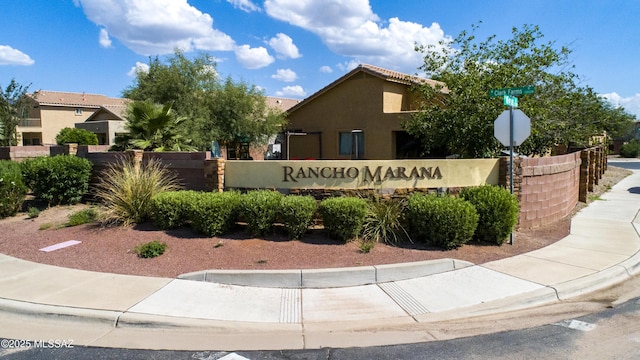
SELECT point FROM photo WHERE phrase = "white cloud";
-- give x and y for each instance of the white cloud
(294, 91)
(284, 46)
(244, 5)
(286, 75)
(348, 65)
(326, 69)
(253, 58)
(156, 27)
(138, 68)
(351, 28)
(11, 56)
(104, 39)
(631, 104)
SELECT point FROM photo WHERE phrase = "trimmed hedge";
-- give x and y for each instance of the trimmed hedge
(12, 188)
(343, 217)
(215, 214)
(259, 208)
(446, 222)
(498, 210)
(296, 213)
(630, 149)
(171, 209)
(61, 179)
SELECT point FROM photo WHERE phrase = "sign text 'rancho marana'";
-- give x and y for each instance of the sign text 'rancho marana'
(380, 173)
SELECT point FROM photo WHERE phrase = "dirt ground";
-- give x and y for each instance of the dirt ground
(110, 249)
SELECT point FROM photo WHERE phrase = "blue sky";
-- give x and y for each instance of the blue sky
(292, 48)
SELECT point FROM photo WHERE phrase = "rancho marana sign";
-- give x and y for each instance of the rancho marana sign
(364, 174)
(360, 174)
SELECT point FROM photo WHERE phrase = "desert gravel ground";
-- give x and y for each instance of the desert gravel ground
(110, 249)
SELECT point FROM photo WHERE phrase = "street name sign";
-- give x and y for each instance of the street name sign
(523, 90)
(511, 101)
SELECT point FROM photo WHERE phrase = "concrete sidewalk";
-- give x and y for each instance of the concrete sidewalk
(319, 308)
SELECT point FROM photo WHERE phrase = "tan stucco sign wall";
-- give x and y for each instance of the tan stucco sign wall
(346, 174)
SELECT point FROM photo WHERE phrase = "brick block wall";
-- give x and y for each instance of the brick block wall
(548, 189)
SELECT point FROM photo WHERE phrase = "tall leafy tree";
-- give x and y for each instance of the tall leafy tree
(13, 108)
(213, 109)
(153, 127)
(239, 113)
(459, 119)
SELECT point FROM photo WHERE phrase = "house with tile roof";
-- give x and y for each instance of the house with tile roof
(52, 111)
(358, 116)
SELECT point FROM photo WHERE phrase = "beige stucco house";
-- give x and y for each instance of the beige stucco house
(357, 116)
(51, 111)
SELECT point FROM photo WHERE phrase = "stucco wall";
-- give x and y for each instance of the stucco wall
(356, 103)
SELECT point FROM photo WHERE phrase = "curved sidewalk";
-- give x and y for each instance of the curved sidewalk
(370, 306)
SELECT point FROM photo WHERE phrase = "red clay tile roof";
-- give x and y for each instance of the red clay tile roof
(58, 98)
(386, 74)
(283, 104)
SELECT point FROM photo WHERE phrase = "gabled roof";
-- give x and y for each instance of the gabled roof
(280, 103)
(58, 98)
(382, 73)
(117, 111)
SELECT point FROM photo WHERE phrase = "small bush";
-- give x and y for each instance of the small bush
(296, 213)
(215, 214)
(366, 246)
(77, 136)
(446, 222)
(343, 217)
(498, 210)
(12, 188)
(33, 212)
(127, 190)
(151, 249)
(384, 221)
(171, 209)
(62, 179)
(630, 149)
(83, 216)
(259, 208)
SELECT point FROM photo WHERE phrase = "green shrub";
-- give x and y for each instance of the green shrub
(446, 222)
(259, 208)
(215, 214)
(171, 209)
(12, 188)
(83, 216)
(498, 210)
(151, 249)
(296, 213)
(77, 136)
(33, 212)
(126, 190)
(61, 179)
(343, 217)
(630, 149)
(384, 221)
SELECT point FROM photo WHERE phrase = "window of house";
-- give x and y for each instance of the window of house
(78, 111)
(348, 141)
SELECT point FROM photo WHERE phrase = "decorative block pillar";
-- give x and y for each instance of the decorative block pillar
(214, 174)
(71, 149)
(135, 156)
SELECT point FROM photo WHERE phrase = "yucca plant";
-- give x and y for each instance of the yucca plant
(384, 222)
(126, 190)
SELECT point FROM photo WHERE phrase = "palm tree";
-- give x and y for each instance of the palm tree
(153, 127)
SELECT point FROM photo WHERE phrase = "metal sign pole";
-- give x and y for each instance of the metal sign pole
(511, 160)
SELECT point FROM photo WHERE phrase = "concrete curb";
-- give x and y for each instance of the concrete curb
(327, 278)
(64, 313)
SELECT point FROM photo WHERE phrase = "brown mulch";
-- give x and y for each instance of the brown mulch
(110, 249)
